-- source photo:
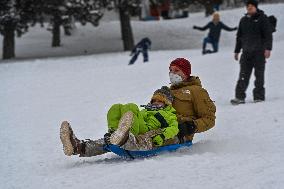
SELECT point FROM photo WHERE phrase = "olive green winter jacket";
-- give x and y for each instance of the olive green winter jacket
(192, 103)
(145, 120)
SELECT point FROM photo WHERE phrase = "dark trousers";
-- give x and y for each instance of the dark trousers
(214, 45)
(248, 62)
(135, 56)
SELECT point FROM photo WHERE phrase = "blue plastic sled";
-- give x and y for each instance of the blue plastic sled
(144, 153)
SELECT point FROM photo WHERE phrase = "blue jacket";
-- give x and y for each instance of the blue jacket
(142, 45)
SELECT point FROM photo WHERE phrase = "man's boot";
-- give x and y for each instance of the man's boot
(237, 101)
(71, 145)
(120, 136)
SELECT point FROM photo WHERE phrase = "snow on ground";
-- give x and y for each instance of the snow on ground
(90, 40)
(244, 150)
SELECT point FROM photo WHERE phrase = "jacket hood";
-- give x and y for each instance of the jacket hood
(193, 80)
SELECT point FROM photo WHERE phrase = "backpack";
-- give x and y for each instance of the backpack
(273, 22)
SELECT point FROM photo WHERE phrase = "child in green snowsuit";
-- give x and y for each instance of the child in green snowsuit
(158, 115)
(129, 127)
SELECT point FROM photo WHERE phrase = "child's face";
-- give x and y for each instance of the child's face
(158, 103)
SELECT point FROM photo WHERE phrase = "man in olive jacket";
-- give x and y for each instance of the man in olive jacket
(194, 108)
(254, 37)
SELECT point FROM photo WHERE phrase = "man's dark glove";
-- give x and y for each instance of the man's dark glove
(186, 128)
(107, 138)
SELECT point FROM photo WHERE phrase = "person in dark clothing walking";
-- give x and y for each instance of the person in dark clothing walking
(215, 27)
(142, 46)
(254, 37)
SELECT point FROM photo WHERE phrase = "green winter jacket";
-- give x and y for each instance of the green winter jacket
(144, 120)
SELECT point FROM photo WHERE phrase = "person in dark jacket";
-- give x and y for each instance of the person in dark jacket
(142, 46)
(215, 27)
(254, 37)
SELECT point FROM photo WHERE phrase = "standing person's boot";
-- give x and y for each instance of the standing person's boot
(120, 136)
(71, 145)
(258, 100)
(237, 101)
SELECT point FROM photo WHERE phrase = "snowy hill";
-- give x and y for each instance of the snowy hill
(244, 150)
(165, 35)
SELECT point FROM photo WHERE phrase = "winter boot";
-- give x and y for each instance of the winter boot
(258, 100)
(71, 145)
(237, 101)
(120, 136)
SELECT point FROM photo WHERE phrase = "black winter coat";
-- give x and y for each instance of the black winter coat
(215, 29)
(254, 33)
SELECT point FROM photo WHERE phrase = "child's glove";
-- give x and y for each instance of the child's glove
(107, 136)
(158, 140)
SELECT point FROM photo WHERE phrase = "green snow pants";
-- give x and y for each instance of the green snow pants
(117, 111)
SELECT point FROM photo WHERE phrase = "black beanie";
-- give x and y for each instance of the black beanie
(252, 2)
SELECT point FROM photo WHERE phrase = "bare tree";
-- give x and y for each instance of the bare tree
(126, 29)
(14, 18)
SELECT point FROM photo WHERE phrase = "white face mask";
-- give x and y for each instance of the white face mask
(175, 78)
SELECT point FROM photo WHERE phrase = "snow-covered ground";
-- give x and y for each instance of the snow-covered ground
(244, 150)
(90, 40)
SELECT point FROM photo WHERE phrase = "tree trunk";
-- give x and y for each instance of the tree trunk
(56, 31)
(126, 30)
(9, 41)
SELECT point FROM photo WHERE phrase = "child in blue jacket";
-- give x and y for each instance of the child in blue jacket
(142, 47)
